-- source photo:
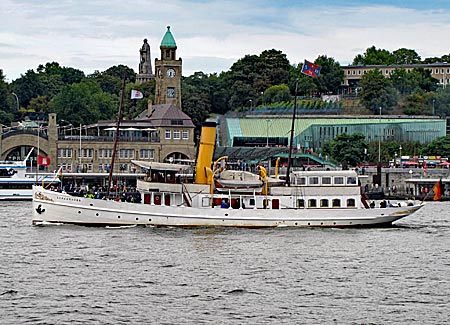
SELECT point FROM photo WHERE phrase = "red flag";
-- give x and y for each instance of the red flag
(437, 189)
(311, 69)
(43, 160)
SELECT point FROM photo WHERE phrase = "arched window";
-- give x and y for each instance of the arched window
(336, 203)
(351, 203)
(324, 203)
(312, 203)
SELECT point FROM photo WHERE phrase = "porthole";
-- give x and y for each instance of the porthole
(149, 219)
(137, 219)
(91, 205)
(79, 212)
(96, 214)
(118, 217)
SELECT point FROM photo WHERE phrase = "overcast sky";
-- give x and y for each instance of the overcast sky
(211, 35)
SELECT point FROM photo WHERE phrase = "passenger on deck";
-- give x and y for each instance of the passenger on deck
(225, 204)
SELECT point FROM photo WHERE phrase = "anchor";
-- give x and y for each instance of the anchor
(39, 209)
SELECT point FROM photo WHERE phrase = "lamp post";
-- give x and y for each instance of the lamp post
(400, 150)
(251, 104)
(379, 138)
(17, 100)
(67, 126)
(432, 112)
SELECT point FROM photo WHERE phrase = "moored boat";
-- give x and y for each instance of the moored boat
(16, 184)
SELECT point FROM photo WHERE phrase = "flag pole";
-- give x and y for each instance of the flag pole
(37, 154)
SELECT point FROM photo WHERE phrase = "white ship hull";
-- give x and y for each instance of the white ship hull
(16, 195)
(61, 208)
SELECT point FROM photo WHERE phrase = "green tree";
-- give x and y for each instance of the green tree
(331, 75)
(424, 79)
(39, 104)
(6, 105)
(377, 91)
(406, 56)
(440, 146)
(347, 148)
(374, 56)
(84, 103)
(305, 84)
(28, 86)
(276, 94)
(109, 84)
(118, 71)
(403, 81)
(196, 104)
(67, 75)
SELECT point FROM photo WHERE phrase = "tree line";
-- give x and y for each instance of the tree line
(252, 82)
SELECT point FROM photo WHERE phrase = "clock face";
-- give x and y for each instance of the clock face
(171, 92)
(171, 73)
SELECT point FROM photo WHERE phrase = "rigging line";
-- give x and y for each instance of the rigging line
(116, 138)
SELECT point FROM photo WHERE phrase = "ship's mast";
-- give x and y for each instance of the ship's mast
(116, 138)
(288, 178)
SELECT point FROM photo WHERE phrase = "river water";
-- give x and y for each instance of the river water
(80, 275)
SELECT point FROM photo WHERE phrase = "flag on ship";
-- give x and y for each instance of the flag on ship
(136, 94)
(43, 160)
(311, 69)
(437, 189)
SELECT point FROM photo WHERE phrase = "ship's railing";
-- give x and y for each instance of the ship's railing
(108, 138)
(24, 131)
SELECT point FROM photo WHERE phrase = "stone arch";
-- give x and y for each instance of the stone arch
(17, 140)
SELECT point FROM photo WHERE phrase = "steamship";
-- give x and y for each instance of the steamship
(167, 198)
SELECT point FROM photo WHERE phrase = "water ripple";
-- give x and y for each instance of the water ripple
(78, 275)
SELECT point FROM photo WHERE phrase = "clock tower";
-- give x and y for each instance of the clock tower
(168, 73)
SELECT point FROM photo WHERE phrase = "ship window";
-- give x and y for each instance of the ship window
(326, 180)
(324, 203)
(336, 203)
(339, 180)
(312, 203)
(351, 180)
(300, 203)
(314, 180)
(351, 203)
(205, 202)
(300, 180)
(251, 202)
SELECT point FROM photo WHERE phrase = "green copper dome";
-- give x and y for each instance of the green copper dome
(168, 41)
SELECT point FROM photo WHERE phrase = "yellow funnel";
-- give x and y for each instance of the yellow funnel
(205, 152)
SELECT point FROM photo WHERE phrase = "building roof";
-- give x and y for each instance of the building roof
(166, 115)
(168, 41)
(281, 127)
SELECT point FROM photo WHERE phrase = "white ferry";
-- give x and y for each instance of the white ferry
(313, 199)
(16, 183)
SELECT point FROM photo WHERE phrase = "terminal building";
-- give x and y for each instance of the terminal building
(311, 132)
(162, 133)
